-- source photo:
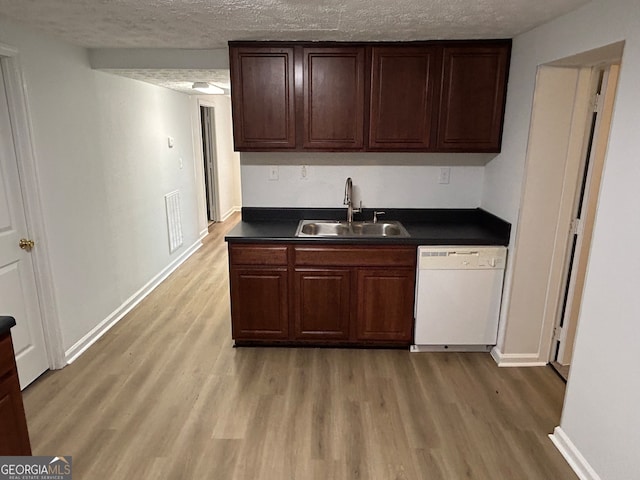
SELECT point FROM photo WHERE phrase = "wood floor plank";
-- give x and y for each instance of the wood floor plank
(165, 395)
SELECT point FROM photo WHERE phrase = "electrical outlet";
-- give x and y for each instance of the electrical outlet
(445, 175)
(273, 172)
(304, 172)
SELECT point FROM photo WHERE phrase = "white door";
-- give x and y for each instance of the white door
(18, 294)
(584, 215)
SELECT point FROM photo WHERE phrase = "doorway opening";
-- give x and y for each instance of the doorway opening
(207, 122)
(561, 120)
(604, 84)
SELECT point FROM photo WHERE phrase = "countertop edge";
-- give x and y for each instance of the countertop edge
(372, 241)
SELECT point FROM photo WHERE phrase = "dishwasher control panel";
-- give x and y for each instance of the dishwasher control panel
(461, 257)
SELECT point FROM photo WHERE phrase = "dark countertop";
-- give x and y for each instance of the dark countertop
(426, 226)
(6, 323)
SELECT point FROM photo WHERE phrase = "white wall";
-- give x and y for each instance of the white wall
(601, 416)
(379, 180)
(104, 167)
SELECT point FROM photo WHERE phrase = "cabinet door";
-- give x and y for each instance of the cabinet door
(403, 89)
(473, 94)
(259, 303)
(334, 98)
(262, 80)
(322, 304)
(385, 304)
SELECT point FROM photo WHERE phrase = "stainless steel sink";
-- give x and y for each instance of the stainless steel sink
(379, 229)
(333, 228)
(322, 228)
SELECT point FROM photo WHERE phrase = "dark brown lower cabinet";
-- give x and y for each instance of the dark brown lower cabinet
(14, 436)
(322, 294)
(385, 304)
(321, 303)
(259, 303)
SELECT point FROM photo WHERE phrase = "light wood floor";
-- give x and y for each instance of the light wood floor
(163, 395)
(562, 370)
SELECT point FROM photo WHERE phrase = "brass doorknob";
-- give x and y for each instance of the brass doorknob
(26, 244)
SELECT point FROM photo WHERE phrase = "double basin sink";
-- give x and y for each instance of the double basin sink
(334, 228)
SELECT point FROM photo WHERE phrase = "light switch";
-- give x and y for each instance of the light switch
(170, 142)
(273, 172)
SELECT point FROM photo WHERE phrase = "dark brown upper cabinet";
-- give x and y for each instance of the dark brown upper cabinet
(404, 83)
(263, 98)
(471, 108)
(440, 96)
(333, 88)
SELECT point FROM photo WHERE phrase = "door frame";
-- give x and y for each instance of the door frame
(29, 183)
(214, 163)
(575, 268)
(202, 102)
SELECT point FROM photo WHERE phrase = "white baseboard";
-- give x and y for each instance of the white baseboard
(231, 211)
(516, 359)
(449, 348)
(572, 455)
(103, 327)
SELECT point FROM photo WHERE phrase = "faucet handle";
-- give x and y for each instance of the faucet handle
(359, 209)
(375, 215)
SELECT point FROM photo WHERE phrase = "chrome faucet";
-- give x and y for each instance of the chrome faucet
(375, 215)
(348, 201)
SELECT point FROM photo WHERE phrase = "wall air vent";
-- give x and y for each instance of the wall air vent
(174, 220)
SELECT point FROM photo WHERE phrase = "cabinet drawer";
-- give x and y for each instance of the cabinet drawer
(7, 359)
(355, 256)
(257, 255)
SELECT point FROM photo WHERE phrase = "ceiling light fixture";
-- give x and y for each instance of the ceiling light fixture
(204, 87)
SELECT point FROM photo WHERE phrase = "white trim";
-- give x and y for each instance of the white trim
(203, 233)
(198, 164)
(572, 455)
(103, 327)
(231, 211)
(17, 99)
(449, 348)
(205, 102)
(214, 160)
(516, 359)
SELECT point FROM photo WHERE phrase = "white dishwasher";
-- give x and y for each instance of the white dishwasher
(458, 294)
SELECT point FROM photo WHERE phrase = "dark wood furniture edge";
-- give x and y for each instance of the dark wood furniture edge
(6, 323)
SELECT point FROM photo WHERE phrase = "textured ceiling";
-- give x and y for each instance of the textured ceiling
(211, 23)
(176, 79)
(206, 24)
